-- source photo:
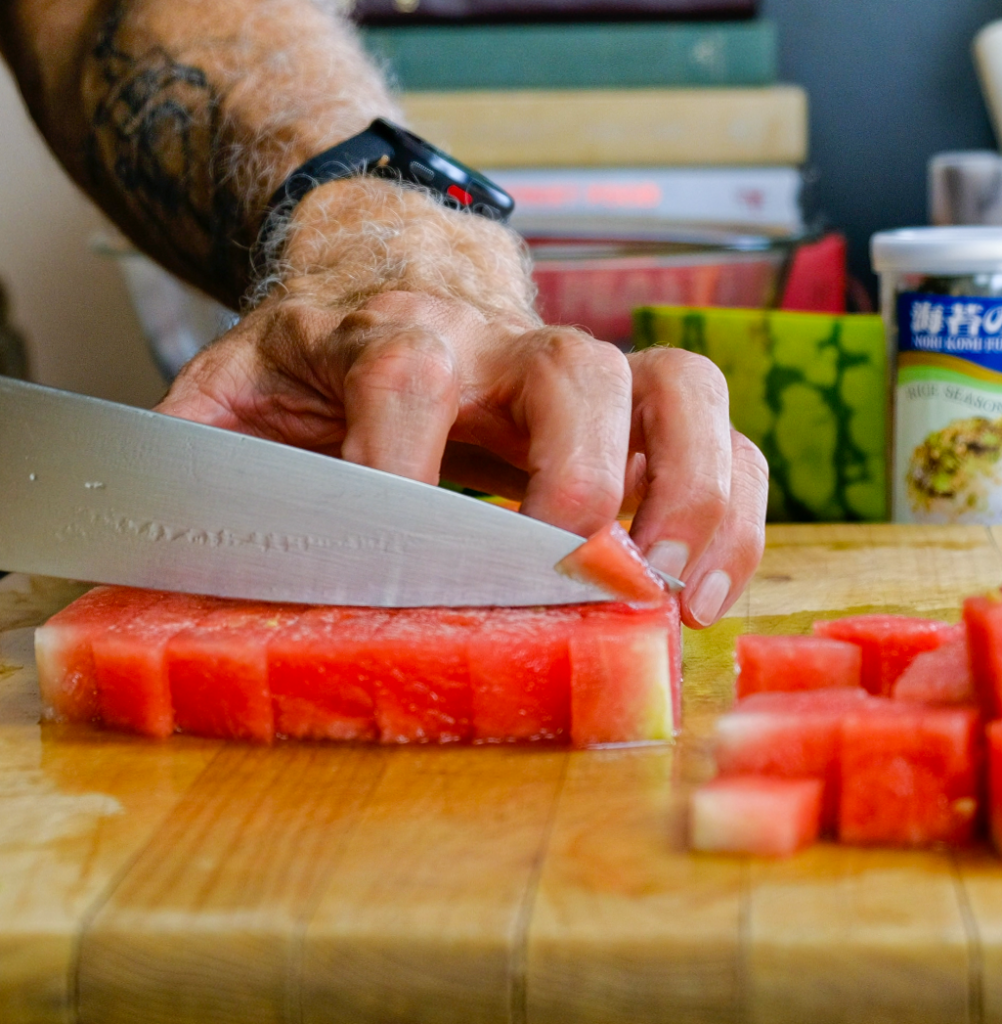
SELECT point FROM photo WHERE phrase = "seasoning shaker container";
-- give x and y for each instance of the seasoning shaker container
(941, 298)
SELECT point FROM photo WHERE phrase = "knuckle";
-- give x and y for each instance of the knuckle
(569, 348)
(412, 362)
(680, 367)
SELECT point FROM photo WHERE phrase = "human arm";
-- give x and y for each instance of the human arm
(391, 331)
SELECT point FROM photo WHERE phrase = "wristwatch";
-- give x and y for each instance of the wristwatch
(388, 151)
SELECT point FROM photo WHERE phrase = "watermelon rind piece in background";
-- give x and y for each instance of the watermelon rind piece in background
(810, 389)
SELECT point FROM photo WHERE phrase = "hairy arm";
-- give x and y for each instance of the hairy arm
(182, 117)
(388, 330)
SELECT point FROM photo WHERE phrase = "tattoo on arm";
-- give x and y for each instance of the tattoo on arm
(156, 138)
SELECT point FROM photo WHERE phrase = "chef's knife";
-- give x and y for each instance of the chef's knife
(97, 491)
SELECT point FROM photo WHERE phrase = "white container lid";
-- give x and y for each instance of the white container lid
(952, 251)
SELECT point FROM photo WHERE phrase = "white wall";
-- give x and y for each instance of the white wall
(70, 303)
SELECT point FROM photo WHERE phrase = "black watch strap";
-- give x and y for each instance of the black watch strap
(389, 151)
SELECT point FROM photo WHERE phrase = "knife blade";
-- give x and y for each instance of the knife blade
(97, 491)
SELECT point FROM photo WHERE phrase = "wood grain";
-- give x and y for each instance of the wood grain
(628, 926)
(424, 918)
(76, 806)
(856, 936)
(190, 881)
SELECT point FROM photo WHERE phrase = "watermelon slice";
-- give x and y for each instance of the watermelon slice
(321, 685)
(154, 663)
(625, 674)
(609, 559)
(909, 775)
(130, 664)
(789, 735)
(983, 619)
(520, 675)
(755, 814)
(64, 655)
(218, 671)
(942, 676)
(993, 735)
(794, 663)
(889, 643)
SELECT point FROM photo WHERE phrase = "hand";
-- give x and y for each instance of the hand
(424, 384)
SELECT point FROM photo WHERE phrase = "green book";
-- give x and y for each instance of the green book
(577, 55)
(810, 389)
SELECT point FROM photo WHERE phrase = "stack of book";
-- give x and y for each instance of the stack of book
(652, 155)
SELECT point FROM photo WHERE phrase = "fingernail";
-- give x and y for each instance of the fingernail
(710, 597)
(669, 556)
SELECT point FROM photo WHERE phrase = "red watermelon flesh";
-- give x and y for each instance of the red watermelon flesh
(909, 775)
(64, 654)
(609, 559)
(941, 676)
(889, 643)
(520, 675)
(625, 674)
(983, 619)
(795, 663)
(321, 685)
(218, 671)
(130, 662)
(789, 735)
(407, 675)
(993, 735)
(755, 814)
(421, 674)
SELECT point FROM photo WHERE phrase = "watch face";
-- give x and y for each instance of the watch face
(421, 163)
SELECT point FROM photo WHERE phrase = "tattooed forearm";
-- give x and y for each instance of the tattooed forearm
(156, 138)
(181, 117)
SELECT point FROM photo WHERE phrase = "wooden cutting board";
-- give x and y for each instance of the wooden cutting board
(195, 881)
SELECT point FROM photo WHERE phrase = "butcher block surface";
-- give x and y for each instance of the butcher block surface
(199, 881)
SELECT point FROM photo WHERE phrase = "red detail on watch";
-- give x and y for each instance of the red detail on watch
(460, 195)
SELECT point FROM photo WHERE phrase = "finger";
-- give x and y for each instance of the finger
(401, 397)
(681, 415)
(575, 406)
(717, 578)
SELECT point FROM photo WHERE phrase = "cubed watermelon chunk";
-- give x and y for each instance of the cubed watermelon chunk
(421, 674)
(130, 664)
(756, 814)
(320, 674)
(626, 674)
(64, 653)
(889, 643)
(789, 735)
(609, 559)
(993, 736)
(520, 675)
(218, 671)
(941, 676)
(794, 663)
(983, 619)
(909, 775)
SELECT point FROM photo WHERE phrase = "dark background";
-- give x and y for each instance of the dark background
(890, 83)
